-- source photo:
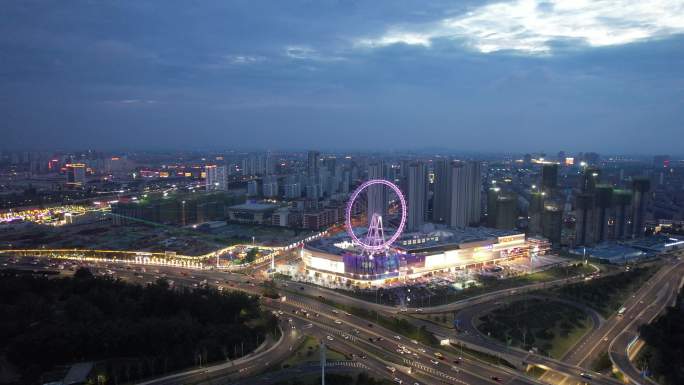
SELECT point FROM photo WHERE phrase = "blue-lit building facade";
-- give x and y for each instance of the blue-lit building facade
(336, 260)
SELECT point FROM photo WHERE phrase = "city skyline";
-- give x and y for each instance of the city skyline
(602, 77)
(342, 192)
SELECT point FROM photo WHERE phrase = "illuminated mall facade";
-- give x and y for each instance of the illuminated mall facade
(337, 260)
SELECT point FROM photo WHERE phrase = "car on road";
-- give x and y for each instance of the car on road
(338, 322)
(434, 362)
(335, 311)
(391, 369)
(398, 380)
(329, 338)
(397, 337)
(621, 312)
(497, 379)
(421, 350)
(586, 375)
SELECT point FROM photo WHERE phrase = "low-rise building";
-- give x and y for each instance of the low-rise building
(252, 213)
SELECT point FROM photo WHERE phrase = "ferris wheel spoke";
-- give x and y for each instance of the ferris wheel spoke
(375, 240)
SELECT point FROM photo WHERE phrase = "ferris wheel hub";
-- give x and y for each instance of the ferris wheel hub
(375, 241)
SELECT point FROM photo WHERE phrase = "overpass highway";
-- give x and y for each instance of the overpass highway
(380, 347)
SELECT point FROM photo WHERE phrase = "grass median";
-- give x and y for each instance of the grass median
(397, 325)
(309, 351)
(550, 327)
(607, 294)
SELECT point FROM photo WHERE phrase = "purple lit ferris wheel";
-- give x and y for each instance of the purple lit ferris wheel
(375, 241)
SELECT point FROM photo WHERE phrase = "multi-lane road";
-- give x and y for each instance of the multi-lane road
(380, 347)
(375, 348)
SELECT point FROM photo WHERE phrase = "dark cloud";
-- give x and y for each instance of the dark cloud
(291, 75)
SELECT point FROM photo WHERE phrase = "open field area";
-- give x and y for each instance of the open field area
(105, 236)
(607, 294)
(548, 326)
(140, 236)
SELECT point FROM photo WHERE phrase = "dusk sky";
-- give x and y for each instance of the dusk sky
(517, 76)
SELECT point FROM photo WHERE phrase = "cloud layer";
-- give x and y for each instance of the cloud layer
(534, 26)
(503, 76)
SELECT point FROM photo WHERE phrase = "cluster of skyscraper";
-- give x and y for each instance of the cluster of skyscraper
(601, 211)
(605, 213)
(449, 192)
(318, 178)
(455, 199)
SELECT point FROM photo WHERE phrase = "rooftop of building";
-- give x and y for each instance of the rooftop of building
(440, 239)
(249, 206)
(611, 252)
(657, 243)
(78, 373)
(450, 238)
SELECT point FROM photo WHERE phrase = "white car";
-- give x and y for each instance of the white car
(338, 322)
(398, 380)
(434, 362)
(329, 338)
(397, 337)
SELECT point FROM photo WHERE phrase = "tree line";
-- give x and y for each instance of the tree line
(663, 356)
(131, 331)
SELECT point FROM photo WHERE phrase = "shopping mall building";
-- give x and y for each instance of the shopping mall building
(337, 260)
